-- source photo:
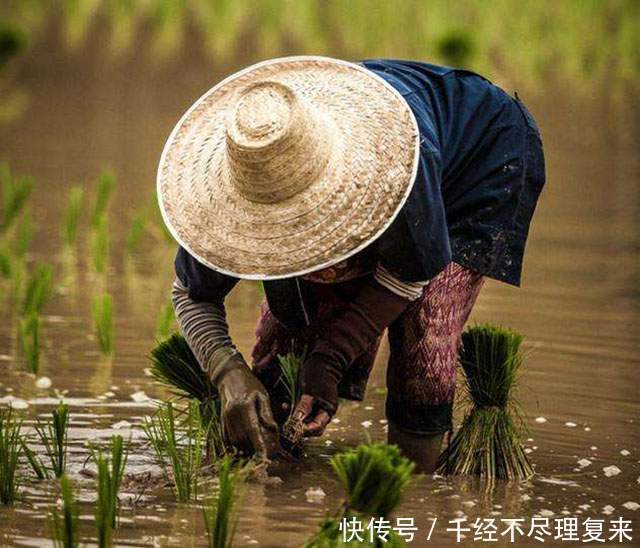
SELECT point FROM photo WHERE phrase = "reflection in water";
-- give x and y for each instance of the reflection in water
(579, 306)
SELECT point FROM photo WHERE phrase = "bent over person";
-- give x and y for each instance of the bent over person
(367, 197)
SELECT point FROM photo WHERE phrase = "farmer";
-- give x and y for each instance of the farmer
(366, 197)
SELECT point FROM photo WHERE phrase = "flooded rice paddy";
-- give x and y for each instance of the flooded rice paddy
(579, 309)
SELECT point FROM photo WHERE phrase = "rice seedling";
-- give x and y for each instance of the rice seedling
(219, 514)
(174, 365)
(110, 471)
(39, 469)
(10, 450)
(29, 335)
(102, 312)
(100, 244)
(5, 264)
(72, 214)
(105, 186)
(15, 193)
(178, 447)
(292, 431)
(64, 524)
(38, 289)
(488, 444)
(166, 321)
(135, 233)
(24, 235)
(374, 477)
(53, 436)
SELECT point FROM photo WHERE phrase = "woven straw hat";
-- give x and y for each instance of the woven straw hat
(287, 167)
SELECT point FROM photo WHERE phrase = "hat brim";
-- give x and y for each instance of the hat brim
(369, 175)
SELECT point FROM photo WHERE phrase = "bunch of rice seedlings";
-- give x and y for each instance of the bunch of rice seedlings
(135, 233)
(174, 365)
(488, 443)
(293, 429)
(220, 517)
(166, 321)
(29, 335)
(72, 214)
(178, 447)
(38, 289)
(109, 479)
(102, 312)
(105, 186)
(374, 477)
(10, 450)
(53, 435)
(15, 193)
(64, 524)
(100, 244)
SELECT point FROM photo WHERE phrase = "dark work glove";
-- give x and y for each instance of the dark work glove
(347, 336)
(247, 422)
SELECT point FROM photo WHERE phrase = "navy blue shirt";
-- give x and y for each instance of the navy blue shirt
(481, 170)
(480, 174)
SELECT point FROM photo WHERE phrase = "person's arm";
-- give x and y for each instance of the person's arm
(199, 305)
(382, 298)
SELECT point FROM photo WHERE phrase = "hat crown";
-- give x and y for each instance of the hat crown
(276, 144)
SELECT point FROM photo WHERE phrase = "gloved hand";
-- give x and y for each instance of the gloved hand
(247, 422)
(348, 335)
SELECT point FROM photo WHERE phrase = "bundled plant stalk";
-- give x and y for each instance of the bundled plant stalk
(488, 444)
(174, 365)
(53, 436)
(10, 450)
(102, 311)
(178, 448)
(110, 471)
(220, 517)
(64, 524)
(29, 335)
(374, 477)
(72, 214)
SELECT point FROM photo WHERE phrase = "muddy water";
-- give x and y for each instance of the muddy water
(579, 309)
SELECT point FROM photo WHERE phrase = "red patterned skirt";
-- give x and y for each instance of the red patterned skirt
(424, 340)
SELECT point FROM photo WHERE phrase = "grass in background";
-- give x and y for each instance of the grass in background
(166, 321)
(110, 471)
(38, 289)
(488, 444)
(6, 267)
(29, 336)
(64, 523)
(104, 190)
(178, 447)
(100, 244)
(53, 435)
(72, 213)
(102, 312)
(374, 477)
(10, 449)
(15, 193)
(220, 517)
